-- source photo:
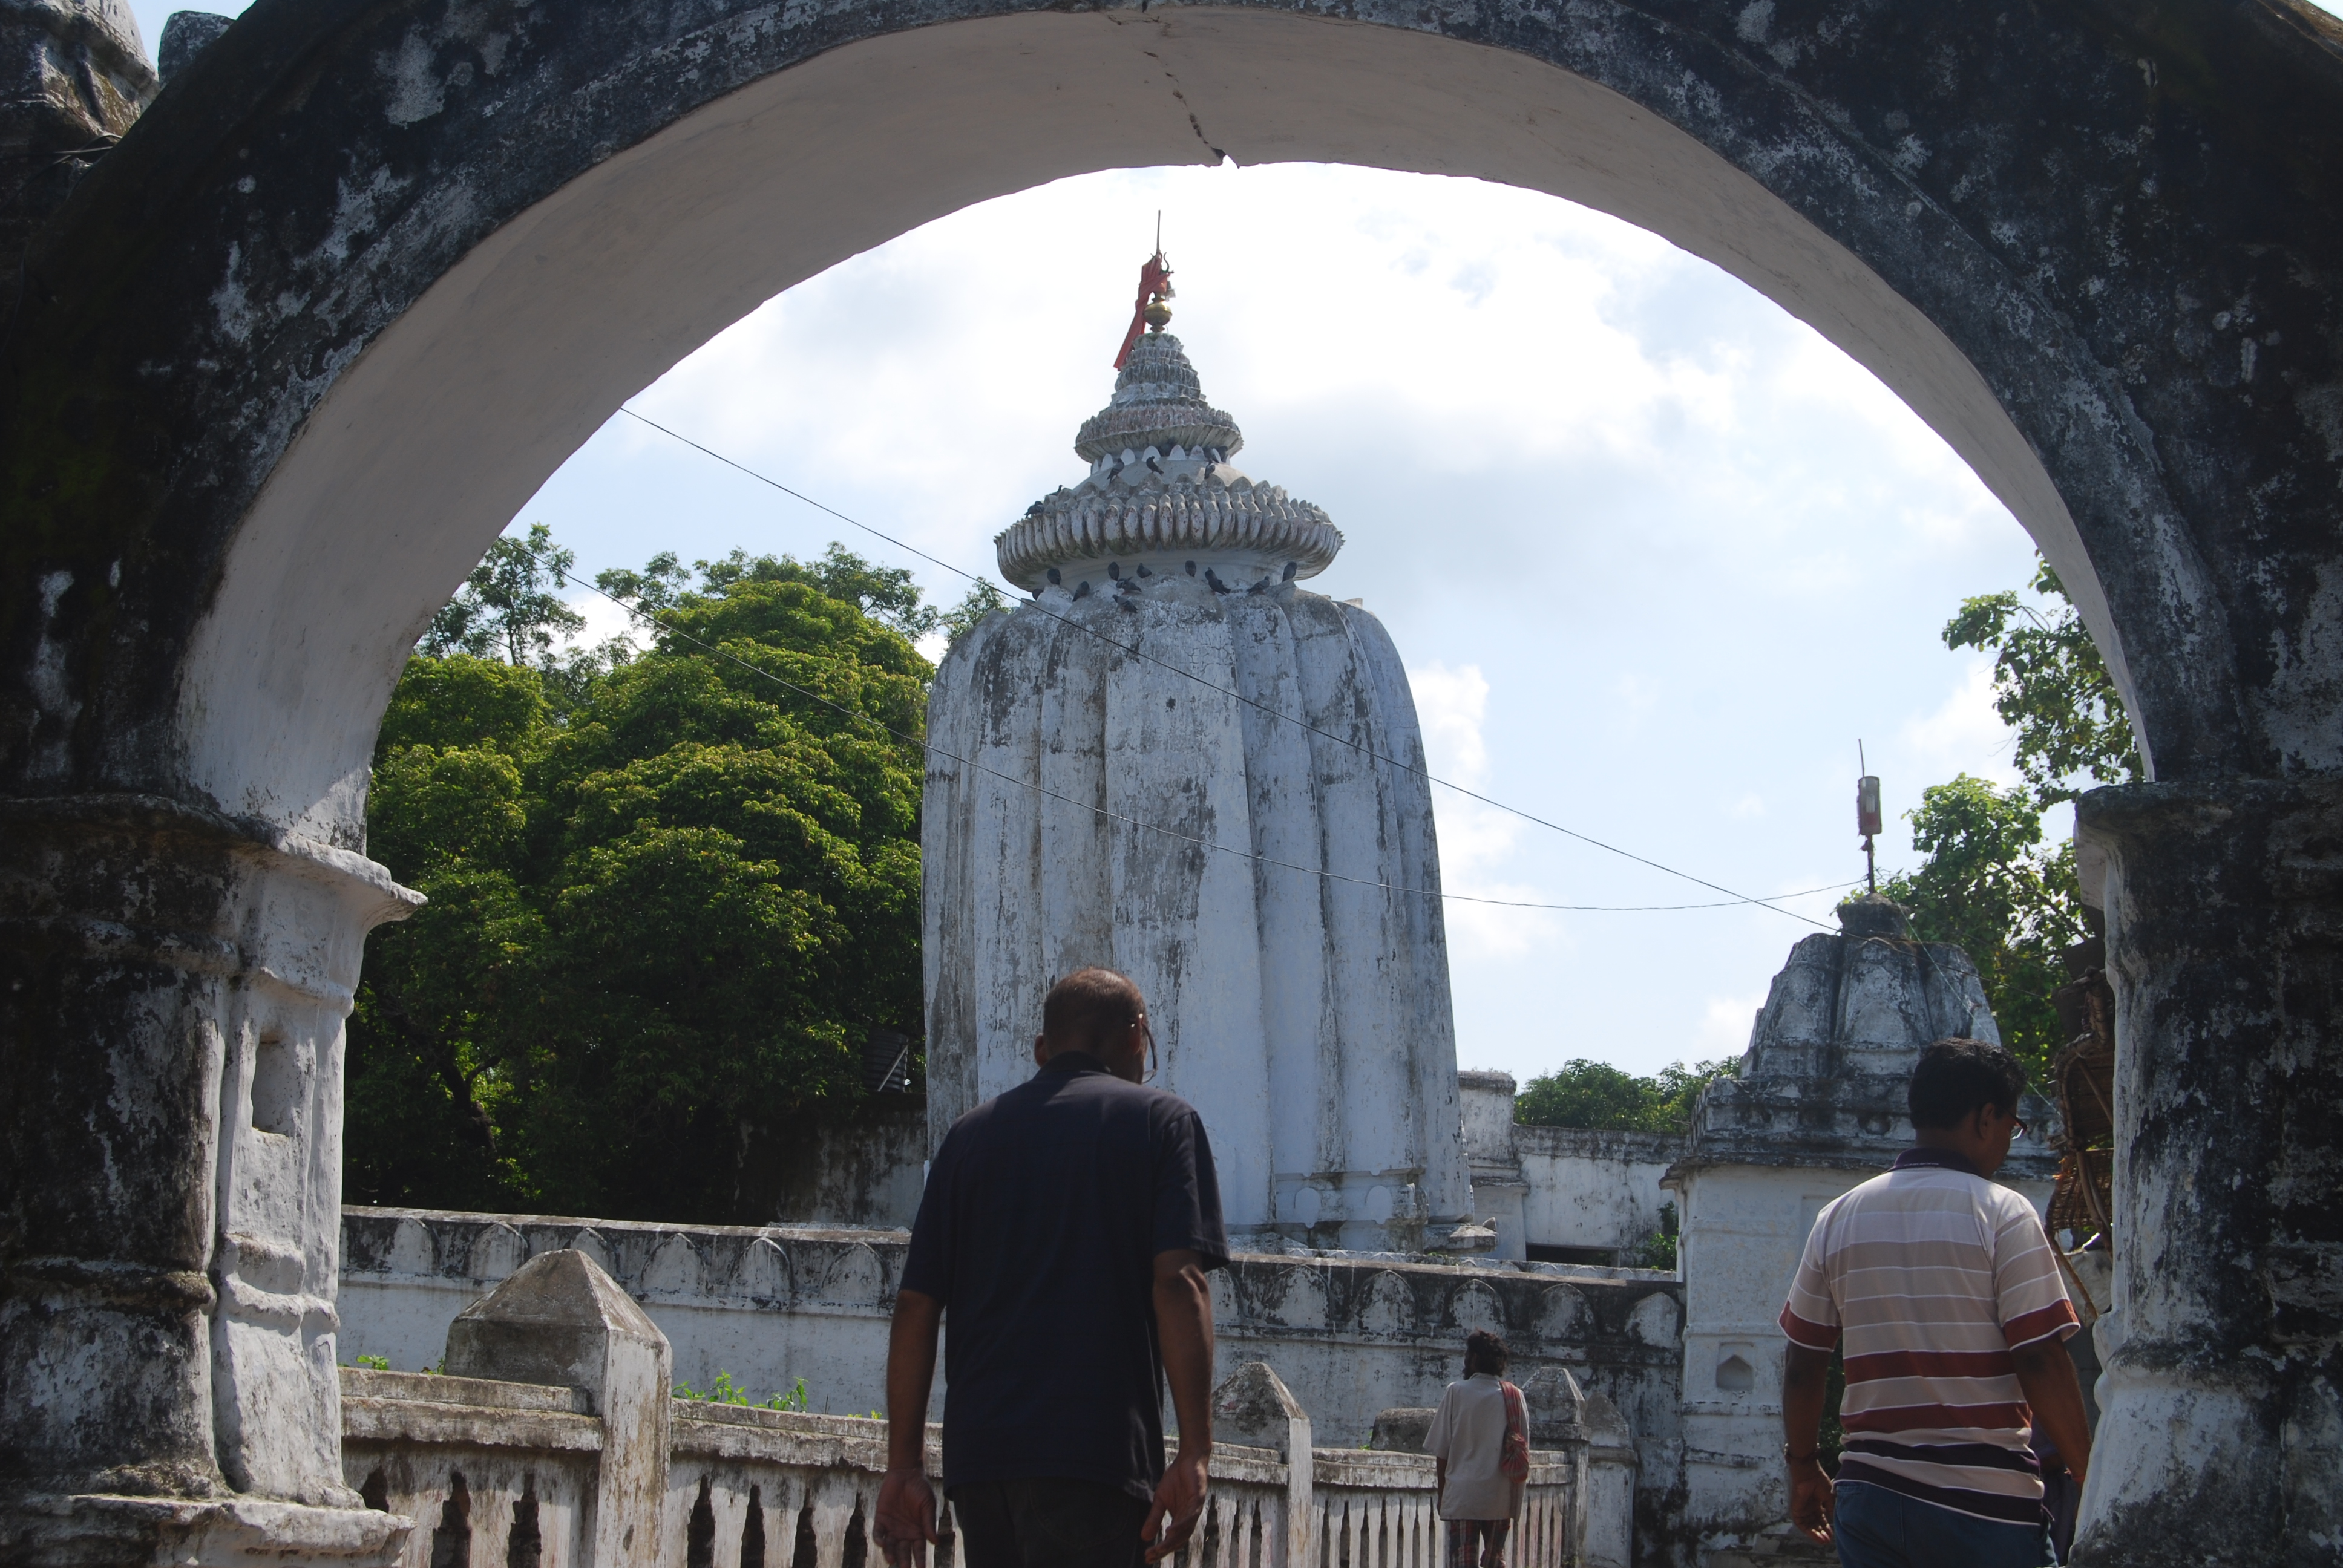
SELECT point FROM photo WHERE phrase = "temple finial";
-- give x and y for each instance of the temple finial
(1149, 310)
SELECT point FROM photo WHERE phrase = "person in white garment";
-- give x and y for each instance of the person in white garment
(1468, 1441)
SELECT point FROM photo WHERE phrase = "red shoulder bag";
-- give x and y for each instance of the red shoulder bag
(1514, 1464)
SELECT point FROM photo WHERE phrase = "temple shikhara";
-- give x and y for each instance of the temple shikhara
(1176, 760)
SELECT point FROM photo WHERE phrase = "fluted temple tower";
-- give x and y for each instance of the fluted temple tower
(1096, 794)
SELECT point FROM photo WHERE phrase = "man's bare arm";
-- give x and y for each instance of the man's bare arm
(2047, 1373)
(907, 1503)
(1184, 1326)
(1805, 1385)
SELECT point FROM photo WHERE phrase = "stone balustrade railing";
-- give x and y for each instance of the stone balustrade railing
(501, 1467)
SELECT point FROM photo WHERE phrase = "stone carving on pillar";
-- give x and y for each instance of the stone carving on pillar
(2221, 1405)
(171, 1011)
(1819, 1105)
(1096, 795)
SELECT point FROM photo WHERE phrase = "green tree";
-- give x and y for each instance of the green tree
(669, 895)
(2050, 686)
(1595, 1094)
(510, 605)
(981, 600)
(1988, 883)
(1990, 887)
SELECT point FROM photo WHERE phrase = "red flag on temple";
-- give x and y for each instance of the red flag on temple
(1155, 281)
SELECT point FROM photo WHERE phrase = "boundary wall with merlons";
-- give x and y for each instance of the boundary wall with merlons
(1351, 1334)
(492, 1469)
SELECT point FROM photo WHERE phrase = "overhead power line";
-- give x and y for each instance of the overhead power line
(1731, 897)
(928, 745)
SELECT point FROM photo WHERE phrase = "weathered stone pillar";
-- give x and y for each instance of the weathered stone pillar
(1252, 1406)
(2221, 1427)
(1609, 1505)
(560, 1320)
(173, 984)
(1499, 1195)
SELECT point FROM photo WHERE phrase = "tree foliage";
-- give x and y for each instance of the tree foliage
(1990, 887)
(510, 607)
(2050, 686)
(670, 896)
(1595, 1094)
(1988, 882)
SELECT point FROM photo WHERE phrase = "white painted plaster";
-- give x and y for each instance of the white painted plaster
(775, 1305)
(1215, 787)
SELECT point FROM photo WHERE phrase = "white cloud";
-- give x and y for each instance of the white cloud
(1653, 551)
(1964, 734)
(1451, 706)
(605, 619)
(1478, 842)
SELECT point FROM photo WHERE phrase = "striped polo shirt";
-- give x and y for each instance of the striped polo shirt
(1933, 1274)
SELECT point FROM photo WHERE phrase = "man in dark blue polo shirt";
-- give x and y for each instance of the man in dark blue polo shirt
(1065, 1233)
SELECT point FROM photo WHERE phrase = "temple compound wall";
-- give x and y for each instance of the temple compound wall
(552, 1438)
(1350, 1335)
(1561, 1194)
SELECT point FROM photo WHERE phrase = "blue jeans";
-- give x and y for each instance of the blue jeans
(1877, 1528)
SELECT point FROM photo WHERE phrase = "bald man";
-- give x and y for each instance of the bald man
(1063, 1242)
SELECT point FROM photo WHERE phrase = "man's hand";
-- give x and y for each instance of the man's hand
(1179, 1503)
(1806, 1380)
(1183, 1323)
(906, 1522)
(1813, 1500)
(905, 1518)
(2047, 1373)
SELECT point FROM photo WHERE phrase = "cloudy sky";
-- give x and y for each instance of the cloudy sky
(1656, 555)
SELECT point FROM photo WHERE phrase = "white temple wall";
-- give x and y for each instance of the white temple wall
(1306, 1017)
(1350, 1335)
(1560, 1186)
(1592, 1189)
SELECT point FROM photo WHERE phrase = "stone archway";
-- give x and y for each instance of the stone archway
(366, 273)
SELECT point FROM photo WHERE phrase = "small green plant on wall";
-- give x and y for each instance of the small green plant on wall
(725, 1392)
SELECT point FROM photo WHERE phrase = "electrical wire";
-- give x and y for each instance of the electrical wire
(928, 745)
(1360, 747)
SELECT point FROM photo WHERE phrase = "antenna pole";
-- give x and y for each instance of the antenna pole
(1867, 819)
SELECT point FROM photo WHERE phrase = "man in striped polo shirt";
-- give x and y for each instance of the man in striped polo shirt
(1949, 1299)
